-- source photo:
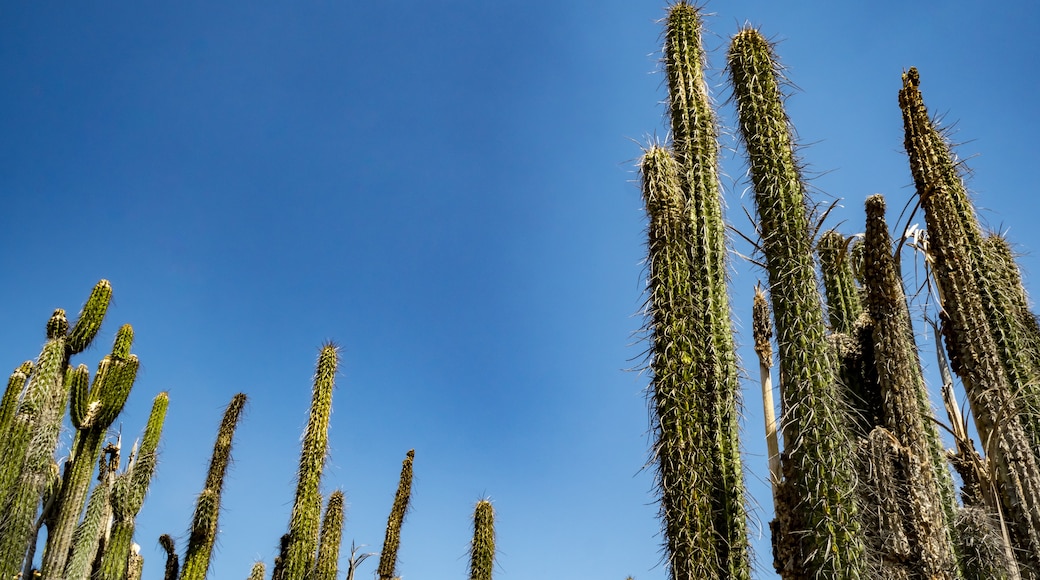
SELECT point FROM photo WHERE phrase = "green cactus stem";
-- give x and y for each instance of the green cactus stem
(302, 546)
(327, 566)
(128, 493)
(818, 527)
(92, 412)
(388, 559)
(13, 393)
(843, 301)
(954, 237)
(26, 465)
(90, 318)
(482, 548)
(257, 572)
(926, 484)
(87, 539)
(203, 531)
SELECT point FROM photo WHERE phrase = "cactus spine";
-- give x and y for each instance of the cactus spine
(818, 527)
(954, 242)
(392, 541)
(327, 566)
(302, 545)
(207, 507)
(482, 549)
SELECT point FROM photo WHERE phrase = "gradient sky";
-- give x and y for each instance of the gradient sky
(447, 190)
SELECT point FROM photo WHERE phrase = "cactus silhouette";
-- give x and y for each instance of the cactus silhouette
(388, 559)
(302, 543)
(203, 531)
(817, 531)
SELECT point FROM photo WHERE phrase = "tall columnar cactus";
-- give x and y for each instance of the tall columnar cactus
(203, 531)
(92, 411)
(819, 531)
(302, 545)
(327, 566)
(87, 539)
(843, 300)
(954, 242)
(482, 548)
(26, 464)
(926, 485)
(694, 387)
(392, 541)
(128, 492)
(1015, 330)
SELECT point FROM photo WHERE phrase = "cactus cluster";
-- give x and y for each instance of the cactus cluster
(862, 484)
(90, 531)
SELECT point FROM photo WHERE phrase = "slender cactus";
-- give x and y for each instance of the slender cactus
(327, 566)
(9, 403)
(203, 531)
(87, 539)
(843, 300)
(482, 549)
(302, 546)
(819, 531)
(88, 323)
(388, 559)
(954, 241)
(257, 572)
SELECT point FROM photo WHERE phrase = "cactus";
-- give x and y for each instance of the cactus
(388, 559)
(922, 480)
(128, 492)
(954, 243)
(694, 388)
(9, 403)
(257, 572)
(172, 562)
(87, 538)
(301, 548)
(817, 524)
(482, 549)
(92, 413)
(203, 531)
(327, 566)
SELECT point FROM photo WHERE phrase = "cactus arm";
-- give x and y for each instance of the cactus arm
(482, 548)
(388, 559)
(302, 545)
(327, 565)
(88, 323)
(172, 563)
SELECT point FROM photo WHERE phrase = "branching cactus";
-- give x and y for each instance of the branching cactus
(327, 567)
(128, 492)
(818, 526)
(207, 508)
(482, 548)
(302, 546)
(388, 559)
(92, 411)
(954, 241)
(925, 482)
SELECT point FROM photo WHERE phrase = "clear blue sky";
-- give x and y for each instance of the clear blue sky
(447, 189)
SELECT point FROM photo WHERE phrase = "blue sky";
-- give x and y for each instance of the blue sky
(447, 190)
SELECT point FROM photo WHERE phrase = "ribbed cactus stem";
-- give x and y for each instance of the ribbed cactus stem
(1015, 330)
(302, 546)
(257, 572)
(839, 283)
(13, 393)
(392, 541)
(90, 318)
(203, 532)
(26, 466)
(482, 548)
(327, 566)
(86, 539)
(819, 535)
(92, 412)
(928, 488)
(953, 237)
